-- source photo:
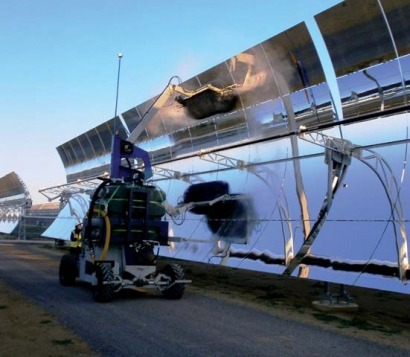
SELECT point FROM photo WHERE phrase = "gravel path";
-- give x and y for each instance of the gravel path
(146, 324)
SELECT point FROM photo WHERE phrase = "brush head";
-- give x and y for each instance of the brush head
(208, 103)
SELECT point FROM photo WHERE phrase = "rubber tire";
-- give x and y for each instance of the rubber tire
(68, 270)
(104, 292)
(175, 272)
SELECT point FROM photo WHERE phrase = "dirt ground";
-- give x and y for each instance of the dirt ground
(381, 316)
(28, 330)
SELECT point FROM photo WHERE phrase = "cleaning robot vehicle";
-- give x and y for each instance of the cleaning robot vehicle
(121, 232)
(124, 223)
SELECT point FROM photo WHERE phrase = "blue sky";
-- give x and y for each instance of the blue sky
(59, 63)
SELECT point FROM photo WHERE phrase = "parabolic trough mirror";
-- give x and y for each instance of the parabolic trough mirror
(266, 166)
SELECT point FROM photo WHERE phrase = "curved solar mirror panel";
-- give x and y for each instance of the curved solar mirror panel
(105, 133)
(63, 156)
(78, 149)
(88, 155)
(97, 144)
(71, 214)
(68, 149)
(368, 53)
(374, 89)
(359, 42)
(86, 147)
(131, 118)
(281, 182)
(397, 14)
(14, 199)
(11, 186)
(261, 89)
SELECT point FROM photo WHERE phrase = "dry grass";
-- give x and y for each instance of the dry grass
(28, 330)
(382, 316)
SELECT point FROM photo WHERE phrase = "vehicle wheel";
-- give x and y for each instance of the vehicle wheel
(68, 270)
(174, 272)
(104, 292)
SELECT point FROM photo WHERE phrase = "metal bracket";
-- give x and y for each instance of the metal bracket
(222, 160)
(338, 156)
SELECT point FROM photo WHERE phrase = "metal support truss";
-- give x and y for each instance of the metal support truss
(66, 190)
(341, 152)
(337, 157)
(176, 175)
(388, 180)
(15, 210)
(342, 146)
(223, 160)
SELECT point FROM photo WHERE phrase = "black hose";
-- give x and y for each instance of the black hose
(91, 211)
